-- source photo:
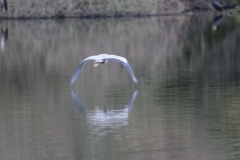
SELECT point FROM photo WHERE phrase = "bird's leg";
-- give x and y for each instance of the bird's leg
(95, 64)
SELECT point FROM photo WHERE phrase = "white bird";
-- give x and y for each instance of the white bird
(102, 59)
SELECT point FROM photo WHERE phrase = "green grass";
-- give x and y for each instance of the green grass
(90, 8)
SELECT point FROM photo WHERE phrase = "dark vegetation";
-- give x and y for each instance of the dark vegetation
(105, 8)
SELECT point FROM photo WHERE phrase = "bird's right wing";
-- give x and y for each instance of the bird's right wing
(125, 63)
(79, 68)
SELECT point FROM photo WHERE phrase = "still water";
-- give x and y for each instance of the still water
(186, 105)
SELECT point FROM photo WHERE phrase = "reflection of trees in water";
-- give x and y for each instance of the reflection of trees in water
(180, 62)
(50, 48)
(4, 39)
(205, 78)
(152, 45)
(214, 52)
(209, 62)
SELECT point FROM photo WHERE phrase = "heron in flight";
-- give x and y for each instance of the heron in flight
(4, 4)
(217, 5)
(102, 59)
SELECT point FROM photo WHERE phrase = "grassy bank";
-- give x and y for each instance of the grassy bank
(103, 8)
(90, 8)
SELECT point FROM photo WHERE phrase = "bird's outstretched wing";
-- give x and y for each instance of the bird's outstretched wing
(79, 68)
(125, 63)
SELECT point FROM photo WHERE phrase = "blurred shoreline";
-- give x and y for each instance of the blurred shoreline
(103, 9)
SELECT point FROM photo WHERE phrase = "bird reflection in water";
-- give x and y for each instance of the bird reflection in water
(4, 39)
(104, 119)
(216, 21)
(4, 4)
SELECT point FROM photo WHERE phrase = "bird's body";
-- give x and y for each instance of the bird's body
(4, 4)
(217, 5)
(102, 59)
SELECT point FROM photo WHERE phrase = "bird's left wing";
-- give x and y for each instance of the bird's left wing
(79, 68)
(123, 62)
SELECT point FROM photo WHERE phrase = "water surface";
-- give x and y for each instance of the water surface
(186, 105)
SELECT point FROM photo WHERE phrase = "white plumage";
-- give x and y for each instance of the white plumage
(102, 59)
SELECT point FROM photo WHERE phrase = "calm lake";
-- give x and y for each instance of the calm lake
(186, 105)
